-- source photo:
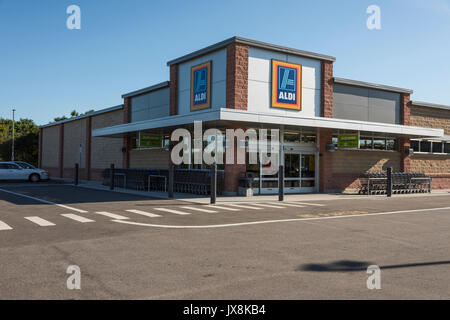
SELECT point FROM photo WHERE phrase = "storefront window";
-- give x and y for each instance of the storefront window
(447, 148)
(415, 145)
(437, 147)
(379, 144)
(365, 143)
(425, 146)
(309, 138)
(293, 137)
(391, 144)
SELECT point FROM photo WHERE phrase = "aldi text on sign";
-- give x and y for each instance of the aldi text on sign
(286, 85)
(201, 86)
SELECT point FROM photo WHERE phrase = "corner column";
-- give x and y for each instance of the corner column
(61, 151)
(173, 89)
(405, 143)
(126, 140)
(88, 148)
(237, 76)
(325, 136)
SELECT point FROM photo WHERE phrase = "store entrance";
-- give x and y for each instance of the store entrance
(299, 175)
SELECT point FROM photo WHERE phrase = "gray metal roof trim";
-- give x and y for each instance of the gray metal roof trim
(95, 113)
(252, 43)
(155, 87)
(371, 85)
(430, 105)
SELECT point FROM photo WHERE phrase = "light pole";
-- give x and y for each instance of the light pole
(12, 156)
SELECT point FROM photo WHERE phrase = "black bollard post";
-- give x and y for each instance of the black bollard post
(75, 182)
(111, 184)
(389, 182)
(213, 183)
(171, 180)
(281, 183)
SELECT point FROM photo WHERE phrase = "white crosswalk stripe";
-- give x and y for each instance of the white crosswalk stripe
(285, 204)
(172, 211)
(40, 222)
(143, 213)
(268, 205)
(245, 206)
(223, 208)
(4, 226)
(310, 204)
(77, 218)
(199, 209)
(112, 215)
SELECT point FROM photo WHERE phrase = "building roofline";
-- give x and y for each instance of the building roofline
(251, 43)
(430, 105)
(371, 85)
(148, 89)
(95, 113)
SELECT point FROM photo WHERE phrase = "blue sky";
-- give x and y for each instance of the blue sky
(47, 70)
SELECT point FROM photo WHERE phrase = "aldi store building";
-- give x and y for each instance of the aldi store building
(331, 129)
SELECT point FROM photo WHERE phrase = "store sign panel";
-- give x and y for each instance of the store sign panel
(286, 85)
(349, 141)
(150, 141)
(201, 86)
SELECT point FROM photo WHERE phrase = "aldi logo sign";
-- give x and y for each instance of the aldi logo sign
(201, 86)
(286, 85)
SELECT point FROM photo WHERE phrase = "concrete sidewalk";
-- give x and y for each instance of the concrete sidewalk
(201, 199)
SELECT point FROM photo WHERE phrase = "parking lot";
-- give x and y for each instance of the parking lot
(129, 246)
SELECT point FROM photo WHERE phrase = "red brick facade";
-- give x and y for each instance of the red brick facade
(40, 148)
(237, 76)
(126, 140)
(173, 89)
(327, 89)
(87, 171)
(404, 144)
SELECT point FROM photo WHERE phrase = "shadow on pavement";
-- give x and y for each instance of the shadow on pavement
(351, 266)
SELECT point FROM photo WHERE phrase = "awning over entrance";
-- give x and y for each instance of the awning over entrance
(249, 117)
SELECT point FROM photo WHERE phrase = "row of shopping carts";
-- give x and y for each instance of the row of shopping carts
(402, 182)
(185, 180)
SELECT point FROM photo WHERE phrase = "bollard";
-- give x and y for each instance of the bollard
(213, 183)
(111, 184)
(389, 182)
(75, 182)
(171, 182)
(281, 184)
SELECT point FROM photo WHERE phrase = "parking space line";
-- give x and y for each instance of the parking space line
(199, 209)
(173, 211)
(289, 204)
(310, 204)
(4, 226)
(77, 218)
(223, 208)
(244, 206)
(143, 213)
(268, 205)
(112, 215)
(40, 222)
(44, 201)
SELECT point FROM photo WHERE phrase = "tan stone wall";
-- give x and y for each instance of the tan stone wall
(74, 135)
(50, 147)
(105, 151)
(357, 162)
(155, 159)
(430, 163)
(431, 118)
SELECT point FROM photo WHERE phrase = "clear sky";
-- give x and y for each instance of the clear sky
(47, 70)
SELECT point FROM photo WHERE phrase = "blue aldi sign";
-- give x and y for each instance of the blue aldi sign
(286, 85)
(201, 86)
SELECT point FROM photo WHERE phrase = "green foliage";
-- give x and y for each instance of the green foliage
(26, 140)
(73, 114)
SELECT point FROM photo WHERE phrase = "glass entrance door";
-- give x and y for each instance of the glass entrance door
(292, 173)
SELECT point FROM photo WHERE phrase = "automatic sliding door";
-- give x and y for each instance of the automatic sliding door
(292, 172)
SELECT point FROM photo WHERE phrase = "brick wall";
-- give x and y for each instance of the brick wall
(237, 76)
(74, 135)
(173, 89)
(154, 159)
(327, 89)
(105, 151)
(437, 166)
(50, 148)
(431, 118)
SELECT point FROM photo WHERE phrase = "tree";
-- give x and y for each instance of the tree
(73, 114)
(26, 140)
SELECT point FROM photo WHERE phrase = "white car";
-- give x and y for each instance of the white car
(21, 171)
